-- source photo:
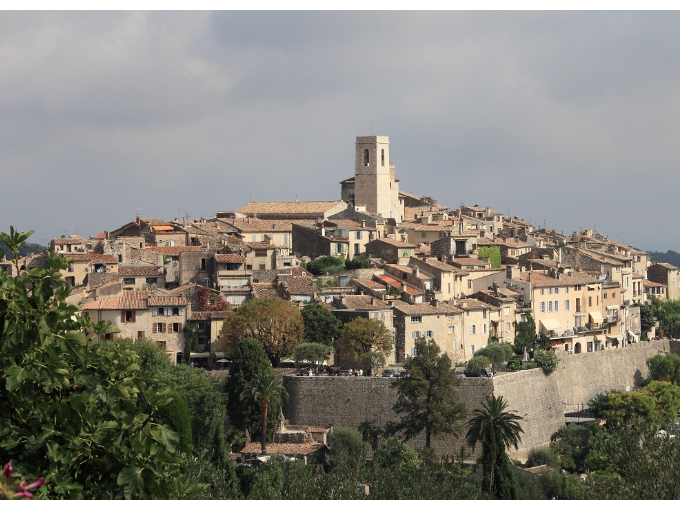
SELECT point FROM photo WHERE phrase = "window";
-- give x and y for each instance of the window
(175, 311)
(614, 294)
(176, 327)
(542, 291)
(423, 234)
(429, 334)
(506, 311)
(285, 239)
(416, 334)
(366, 157)
(260, 253)
(357, 248)
(160, 327)
(450, 329)
(127, 316)
(557, 290)
(416, 318)
(507, 327)
(162, 343)
(557, 304)
(141, 334)
(128, 281)
(70, 267)
(203, 264)
(542, 306)
(151, 281)
(484, 330)
(357, 234)
(604, 296)
(549, 306)
(590, 300)
(473, 329)
(472, 349)
(483, 314)
(200, 326)
(382, 157)
(414, 352)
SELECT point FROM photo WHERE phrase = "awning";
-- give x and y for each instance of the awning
(551, 324)
(218, 354)
(596, 316)
(199, 354)
(613, 307)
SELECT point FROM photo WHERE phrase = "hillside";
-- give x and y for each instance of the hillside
(671, 257)
(24, 249)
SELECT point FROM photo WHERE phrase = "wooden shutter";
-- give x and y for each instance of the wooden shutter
(180, 327)
(165, 328)
(134, 316)
(122, 316)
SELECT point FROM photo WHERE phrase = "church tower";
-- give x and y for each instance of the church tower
(375, 185)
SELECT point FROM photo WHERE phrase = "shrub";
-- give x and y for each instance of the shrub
(496, 352)
(395, 453)
(547, 360)
(542, 457)
(478, 362)
(372, 361)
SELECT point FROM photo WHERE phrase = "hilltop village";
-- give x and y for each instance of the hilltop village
(462, 276)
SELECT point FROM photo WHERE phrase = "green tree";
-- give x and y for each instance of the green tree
(247, 360)
(190, 341)
(497, 429)
(525, 334)
(80, 414)
(646, 319)
(394, 453)
(362, 335)
(547, 360)
(665, 367)
(479, 362)
(315, 354)
(570, 443)
(347, 449)
(496, 352)
(263, 388)
(372, 361)
(427, 400)
(321, 326)
(276, 324)
(176, 414)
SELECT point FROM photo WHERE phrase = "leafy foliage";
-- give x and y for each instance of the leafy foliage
(276, 324)
(497, 430)
(372, 361)
(427, 400)
(22, 250)
(176, 414)
(357, 264)
(395, 454)
(321, 326)
(328, 264)
(496, 352)
(316, 354)
(347, 448)
(247, 360)
(205, 297)
(665, 367)
(263, 388)
(542, 457)
(479, 362)
(525, 334)
(547, 360)
(81, 414)
(493, 253)
(570, 443)
(362, 335)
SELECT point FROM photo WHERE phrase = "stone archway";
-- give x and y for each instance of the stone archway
(577, 348)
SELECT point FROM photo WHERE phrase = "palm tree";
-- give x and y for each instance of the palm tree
(264, 388)
(497, 430)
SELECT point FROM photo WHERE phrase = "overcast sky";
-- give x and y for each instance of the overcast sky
(567, 118)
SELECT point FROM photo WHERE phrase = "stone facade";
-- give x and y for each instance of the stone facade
(375, 184)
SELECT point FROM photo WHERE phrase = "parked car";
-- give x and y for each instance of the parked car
(478, 373)
(390, 372)
(460, 373)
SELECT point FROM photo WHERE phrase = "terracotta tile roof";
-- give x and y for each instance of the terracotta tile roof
(370, 284)
(443, 307)
(363, 303)
(473, 304)
(284, 448)
(442, 266)
(300, 285)
(650, 284)
(68, 240)
(469, 261)
(540, 279)
(167, 301)
(394, 242)
(154, 221)
(131, 300)
(139, 270)
(98, 257)
(666, 265)
(265, 290)
(260, 225)
(260, 246)
(316, 430)
(296, 207)
(226, 258)
(412, 291)
(173, 250)
(387, 280)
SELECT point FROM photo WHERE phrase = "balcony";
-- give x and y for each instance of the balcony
(612, 319)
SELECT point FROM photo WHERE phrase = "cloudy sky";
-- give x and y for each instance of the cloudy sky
(567, 118)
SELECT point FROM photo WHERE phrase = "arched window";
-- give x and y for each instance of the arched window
(382, 157)
(366, 157)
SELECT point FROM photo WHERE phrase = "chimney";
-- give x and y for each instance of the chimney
(416, 272)
(363, 223)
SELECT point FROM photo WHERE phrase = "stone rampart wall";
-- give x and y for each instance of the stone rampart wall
(541, 400)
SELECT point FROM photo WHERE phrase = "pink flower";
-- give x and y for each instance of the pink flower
(7, 471)
(23, 488)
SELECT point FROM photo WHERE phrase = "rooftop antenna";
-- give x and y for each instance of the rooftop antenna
(138, 211)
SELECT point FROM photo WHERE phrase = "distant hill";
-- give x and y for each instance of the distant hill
(670, 257)
(24, 249)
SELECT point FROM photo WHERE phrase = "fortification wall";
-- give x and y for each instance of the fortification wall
(540, 400)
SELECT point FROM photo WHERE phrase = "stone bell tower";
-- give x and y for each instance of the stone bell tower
(375, 185)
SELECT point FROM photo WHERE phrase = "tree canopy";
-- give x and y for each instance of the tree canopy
(427, 400)
(363, 335)
(321, 326)
(276, 324)
(525, 334)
